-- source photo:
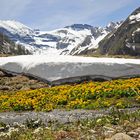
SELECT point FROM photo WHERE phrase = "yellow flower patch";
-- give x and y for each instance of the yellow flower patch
(88, 95)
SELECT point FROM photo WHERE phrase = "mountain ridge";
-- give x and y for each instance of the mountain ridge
(117, 38)
(70, 40)
(8, 47)
(123, 41)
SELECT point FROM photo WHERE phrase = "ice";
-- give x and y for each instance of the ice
(52, 68)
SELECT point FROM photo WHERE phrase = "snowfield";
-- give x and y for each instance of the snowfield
(61, 68)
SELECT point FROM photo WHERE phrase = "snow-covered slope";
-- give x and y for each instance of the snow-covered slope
(69, 40)
(16, 27)
(64, 68)
(18, 33)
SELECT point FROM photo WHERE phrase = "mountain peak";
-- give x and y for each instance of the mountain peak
(113, 25)
(69, 40)
(79, 26)
(13, 24)
(14, 27)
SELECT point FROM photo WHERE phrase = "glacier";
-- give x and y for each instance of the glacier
(60, 69)
(69, 40)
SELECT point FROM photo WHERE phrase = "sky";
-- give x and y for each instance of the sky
(53, 14)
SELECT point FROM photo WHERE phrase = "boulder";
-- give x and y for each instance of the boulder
(121, 136)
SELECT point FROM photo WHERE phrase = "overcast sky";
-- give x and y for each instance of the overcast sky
(52, 14)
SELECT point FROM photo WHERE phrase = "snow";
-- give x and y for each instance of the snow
(59, 67)
(95, 42)
(40, 41)
(68, 34)
(47, 51)
(134, 18)
(79, 36)
(138, 30)
(15, 27)
(60, 41)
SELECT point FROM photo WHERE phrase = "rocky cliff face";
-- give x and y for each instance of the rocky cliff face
(8, 47)
(125, 40)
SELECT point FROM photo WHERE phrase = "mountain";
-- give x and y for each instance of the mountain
(18, 33)
(124, 41)
(70, 40)
(8, 47)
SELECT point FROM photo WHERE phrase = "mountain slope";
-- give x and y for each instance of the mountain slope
(125, 40)
(9, 47)
(68, 40)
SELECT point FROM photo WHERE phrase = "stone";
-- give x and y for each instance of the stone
(133, 134)
(2, 74)
(109, 133)
(137, 130)
(108, 128)
(92, 138)
(92, 131)
(126, 122)
(85, 137)
(2, 129)
(4, 88)
(121, 136)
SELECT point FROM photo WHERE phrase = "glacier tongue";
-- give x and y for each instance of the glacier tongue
(55, 68)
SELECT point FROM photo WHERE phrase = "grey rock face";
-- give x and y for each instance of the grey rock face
(124, 41)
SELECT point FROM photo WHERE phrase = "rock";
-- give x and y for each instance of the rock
(119, 129)
(109, 133)
(121, 136)
(38, 130)
(4, 88)
(138, 124)
(85, 137)
(92, 131)
(92, 138)
(2, 129)
(2, 74)
(15, 124)
(133, 134)
(126, 122)
(137, 130)
(108, 128)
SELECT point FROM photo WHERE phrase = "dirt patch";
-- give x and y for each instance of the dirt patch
(10, 82)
